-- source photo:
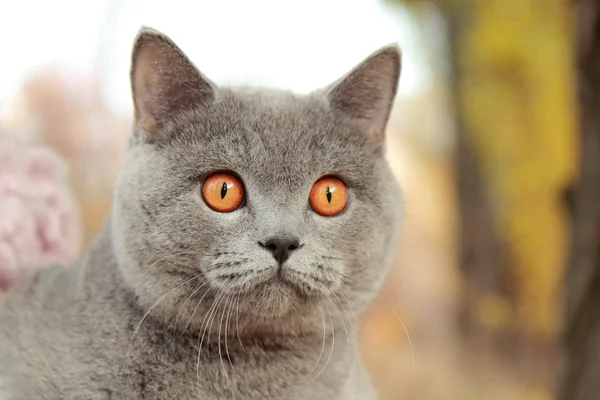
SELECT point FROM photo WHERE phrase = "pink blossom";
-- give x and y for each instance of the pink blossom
(40, 224)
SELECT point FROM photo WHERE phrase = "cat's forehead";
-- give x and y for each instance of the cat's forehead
(274, 134)
(278, 116)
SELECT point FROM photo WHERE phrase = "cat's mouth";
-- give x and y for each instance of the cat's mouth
(288, 281)
(284, 281)
(282, 286)
(272, 287)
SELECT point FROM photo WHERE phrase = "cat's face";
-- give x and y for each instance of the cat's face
(276, 203)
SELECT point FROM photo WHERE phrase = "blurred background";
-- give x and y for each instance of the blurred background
(483, 138)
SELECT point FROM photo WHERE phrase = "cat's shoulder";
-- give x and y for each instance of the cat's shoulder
(40, 288)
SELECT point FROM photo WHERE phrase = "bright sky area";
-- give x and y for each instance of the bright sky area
(298, 45)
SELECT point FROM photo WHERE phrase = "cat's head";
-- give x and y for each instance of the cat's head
(281, 205)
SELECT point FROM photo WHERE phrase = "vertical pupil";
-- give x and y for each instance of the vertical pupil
(223, 190)
(328, 194)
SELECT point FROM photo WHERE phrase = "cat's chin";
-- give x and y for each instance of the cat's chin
(274, 298)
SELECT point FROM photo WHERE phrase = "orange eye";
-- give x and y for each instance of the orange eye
(223, 192)
(328, 196)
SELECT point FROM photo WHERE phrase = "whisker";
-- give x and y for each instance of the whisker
(195, 309)
(412, 351)
(344, 308)
(151, 308)
(332, 347)
(237, 321)
(352, 283)
(322, 347)
(164, 258)
(341, 316)
(188, 299)
(335, 258)
(219, 345)
(209, 318)
(226, 338)
(246, 321)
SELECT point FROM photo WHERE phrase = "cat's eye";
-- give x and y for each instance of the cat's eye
(328, 196)
(223, 192)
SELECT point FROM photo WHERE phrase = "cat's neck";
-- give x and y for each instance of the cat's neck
(100, 269)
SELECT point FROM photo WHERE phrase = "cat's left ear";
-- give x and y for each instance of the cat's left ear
(164, 82)
(365, 95)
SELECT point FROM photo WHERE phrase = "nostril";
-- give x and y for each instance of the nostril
(272, 247)
(268, 245)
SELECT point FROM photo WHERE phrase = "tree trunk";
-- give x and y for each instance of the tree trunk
(581, 338)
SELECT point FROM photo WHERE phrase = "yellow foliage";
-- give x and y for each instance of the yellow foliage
(494, 311)
(515, 84)
(532, 393)
(519, 112)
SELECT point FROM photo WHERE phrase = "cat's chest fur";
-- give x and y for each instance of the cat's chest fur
(258, 370)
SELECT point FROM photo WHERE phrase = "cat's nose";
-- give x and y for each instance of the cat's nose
(281, 247)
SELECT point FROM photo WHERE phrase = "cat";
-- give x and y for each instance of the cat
(249, 229)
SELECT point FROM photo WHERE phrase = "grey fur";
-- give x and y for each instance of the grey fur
(126, 321)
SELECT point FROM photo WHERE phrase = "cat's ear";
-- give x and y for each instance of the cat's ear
(365, 94)
(164, 82)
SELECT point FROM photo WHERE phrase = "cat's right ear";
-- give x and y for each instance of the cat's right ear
(164, 82)
(365, 95)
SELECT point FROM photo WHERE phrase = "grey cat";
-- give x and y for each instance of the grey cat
(249, 230)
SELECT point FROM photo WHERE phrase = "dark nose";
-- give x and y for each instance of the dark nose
(281, 247)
